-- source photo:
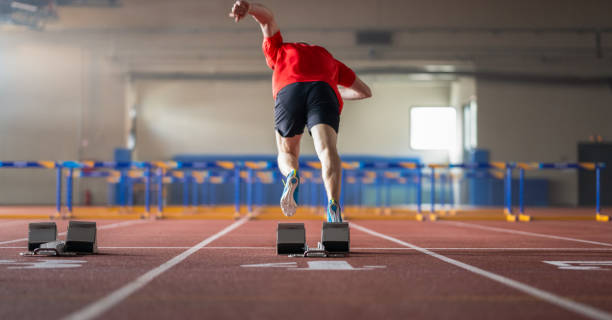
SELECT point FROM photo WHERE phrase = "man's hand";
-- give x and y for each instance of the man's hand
(262, 15)
(239, 10)
(357, 91)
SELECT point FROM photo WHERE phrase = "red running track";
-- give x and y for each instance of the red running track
(396, 270)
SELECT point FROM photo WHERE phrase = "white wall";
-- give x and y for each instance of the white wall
(197, 117)
(542, 122)
(221, 117)
(57, 102)
(63, 90)
(381, 125)
(40, 103)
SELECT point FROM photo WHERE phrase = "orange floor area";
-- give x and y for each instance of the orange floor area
(304, 213)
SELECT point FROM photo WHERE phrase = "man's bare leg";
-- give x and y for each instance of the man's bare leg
(325, 138)
(288, 153)
(288, 164)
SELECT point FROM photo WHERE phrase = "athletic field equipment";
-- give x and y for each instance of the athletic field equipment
(80, 239)
(335, 240)
(335, 237)
(319, 252)
(40, 233)
(290, 238)
(363, 179)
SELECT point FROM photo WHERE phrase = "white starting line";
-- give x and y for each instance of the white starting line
(319, 265)
(582, 265)
(43, 264)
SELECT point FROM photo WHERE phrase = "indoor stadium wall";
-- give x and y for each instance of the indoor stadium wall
(527, 122)
(71, 83)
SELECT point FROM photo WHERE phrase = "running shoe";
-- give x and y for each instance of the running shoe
(333, 212)
(289, 199)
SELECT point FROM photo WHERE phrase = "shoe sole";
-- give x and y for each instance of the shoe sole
(287, 202)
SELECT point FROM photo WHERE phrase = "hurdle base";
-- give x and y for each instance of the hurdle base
(602, 218)
(511, 217)
(524, 217)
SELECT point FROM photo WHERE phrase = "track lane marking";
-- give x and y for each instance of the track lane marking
(103, 227)
(575, 307)
(10, 223)
(526, 233)
(97, 308)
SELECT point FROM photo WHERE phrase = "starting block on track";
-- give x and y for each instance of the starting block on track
(335, 237)
(40, 233)
(290, 238)
(335, 240)
(80, 239)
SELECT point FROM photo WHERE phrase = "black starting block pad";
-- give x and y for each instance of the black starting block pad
(40, 233)
(335, 237)
(81, 237)
(290, 238)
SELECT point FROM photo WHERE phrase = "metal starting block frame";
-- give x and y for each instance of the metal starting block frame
(80, 240)
(318, 252)
(53, 248)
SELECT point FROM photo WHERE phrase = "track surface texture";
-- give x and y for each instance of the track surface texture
(228, 269)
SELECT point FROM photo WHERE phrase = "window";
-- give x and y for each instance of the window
(432, 128)
(470, 131)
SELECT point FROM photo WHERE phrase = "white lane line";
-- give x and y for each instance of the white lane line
(13, 241)
(10, 223)
(99, 307)
(576, 307)
(525, 233)
(103, 227)
(120, 224)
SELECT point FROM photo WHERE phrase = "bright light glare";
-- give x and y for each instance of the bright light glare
(432, 128)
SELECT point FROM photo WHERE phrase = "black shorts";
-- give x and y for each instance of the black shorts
(305, 104)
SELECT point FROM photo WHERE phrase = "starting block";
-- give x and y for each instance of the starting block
(335, 240)
(335, 237)
(40, 233)
(80, 239)
(290, 238)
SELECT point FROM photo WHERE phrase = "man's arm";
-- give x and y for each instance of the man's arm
(358, 90)
(261, 14)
